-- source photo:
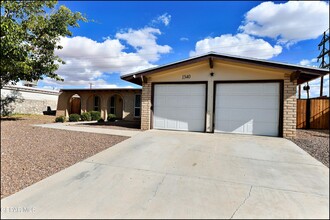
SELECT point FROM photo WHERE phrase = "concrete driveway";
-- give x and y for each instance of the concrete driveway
(164, 174)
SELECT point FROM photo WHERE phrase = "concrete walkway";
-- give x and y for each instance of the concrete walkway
(70, 126)
(163, 174)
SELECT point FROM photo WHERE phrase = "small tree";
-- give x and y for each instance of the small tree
(29, 36)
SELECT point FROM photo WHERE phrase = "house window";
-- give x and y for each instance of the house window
(96, 103)
(112, 105)
(137, 106)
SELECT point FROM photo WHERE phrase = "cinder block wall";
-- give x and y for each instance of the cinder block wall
(33, 100)
(289, 107)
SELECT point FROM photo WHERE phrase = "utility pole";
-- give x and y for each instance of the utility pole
(90, 85)
(324, 52)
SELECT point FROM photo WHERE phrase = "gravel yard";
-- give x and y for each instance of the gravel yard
(314, 142)
(30, 154)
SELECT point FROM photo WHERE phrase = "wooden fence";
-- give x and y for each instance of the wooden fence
(313, 113)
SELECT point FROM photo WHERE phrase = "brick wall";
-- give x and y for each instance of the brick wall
(289, 107)
(146, 104)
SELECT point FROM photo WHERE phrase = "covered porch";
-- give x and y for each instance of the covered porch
(124, 103)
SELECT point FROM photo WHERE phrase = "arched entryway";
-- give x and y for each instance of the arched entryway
(94, 103)
(115, 106)
(75, 104)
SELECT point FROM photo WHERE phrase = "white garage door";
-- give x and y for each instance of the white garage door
(179, 107)
(247, 108)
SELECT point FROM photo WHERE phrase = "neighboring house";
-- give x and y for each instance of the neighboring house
(31, 100)
(222, 93)
(125, 103)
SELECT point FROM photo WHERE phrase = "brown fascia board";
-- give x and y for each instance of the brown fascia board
(313, 71)
(102, 89)
(136, 77)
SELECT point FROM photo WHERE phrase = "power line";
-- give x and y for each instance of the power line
(324, 52)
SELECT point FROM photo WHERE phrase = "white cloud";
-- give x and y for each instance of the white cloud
(87, 60)
(50, 88)
(304, 62)
(108, 86)
(240, 44)
(311, 62)
(164, 18)
(144, 42)
(315, 87)
(184, 39)
(19, 83)
(288, 22)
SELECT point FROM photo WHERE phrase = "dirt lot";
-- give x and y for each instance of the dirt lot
(315, 142)
(30, 154)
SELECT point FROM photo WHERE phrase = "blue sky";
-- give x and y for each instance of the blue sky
(128, 36)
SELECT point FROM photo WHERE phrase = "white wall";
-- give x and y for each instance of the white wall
(34, 101)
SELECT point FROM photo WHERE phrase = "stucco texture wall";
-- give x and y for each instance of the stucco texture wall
(125, 98)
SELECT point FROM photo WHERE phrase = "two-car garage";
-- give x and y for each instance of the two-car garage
(239, 107)
(222, 93)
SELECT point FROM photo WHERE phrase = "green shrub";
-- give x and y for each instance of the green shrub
(74, 117)
(86, 116)
(95, 115)
(101, 120)
(112, 117)
(60, 119)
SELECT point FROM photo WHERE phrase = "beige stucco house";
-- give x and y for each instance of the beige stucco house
(125, 103)
(220, 93)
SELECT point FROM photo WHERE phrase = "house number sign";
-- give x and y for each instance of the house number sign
(186, 76)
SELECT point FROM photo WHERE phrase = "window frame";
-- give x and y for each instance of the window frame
(137, 107)
(114, 105)
(98, 106)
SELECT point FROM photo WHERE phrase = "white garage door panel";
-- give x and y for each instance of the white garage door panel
(268, 115)
(251, 108)
(179, 107)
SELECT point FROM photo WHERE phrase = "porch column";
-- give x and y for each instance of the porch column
(83, 100)
(104, 108)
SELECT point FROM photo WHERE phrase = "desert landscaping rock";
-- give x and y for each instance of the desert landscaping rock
(30, 154)
(314, 142)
